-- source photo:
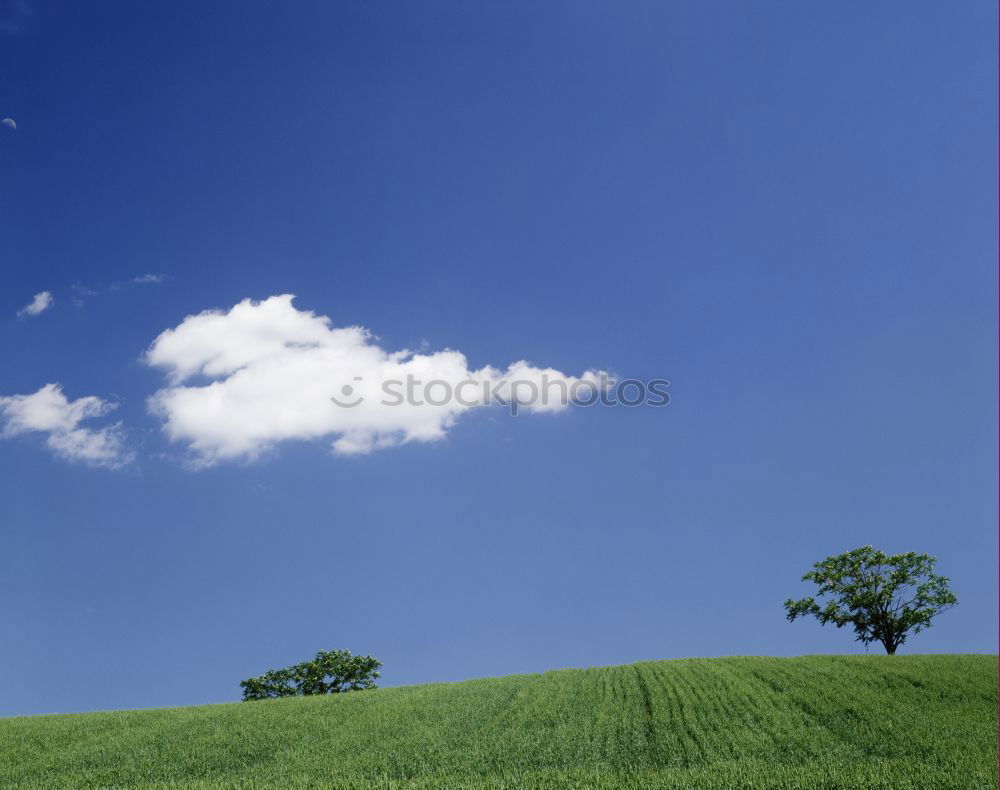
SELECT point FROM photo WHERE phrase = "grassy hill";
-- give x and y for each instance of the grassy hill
(817, 721)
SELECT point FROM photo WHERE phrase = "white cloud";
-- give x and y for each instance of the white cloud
(39, 304)
(49, 411)
(272, 369)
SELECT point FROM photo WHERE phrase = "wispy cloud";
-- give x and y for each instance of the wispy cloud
(83, 293)
(150, 279)
(39, 304)
(49, 411)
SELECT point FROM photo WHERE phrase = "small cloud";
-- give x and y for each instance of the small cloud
(39, 304)
(49, 411)
(150, 279)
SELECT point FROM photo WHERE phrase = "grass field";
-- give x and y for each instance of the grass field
(811, 722)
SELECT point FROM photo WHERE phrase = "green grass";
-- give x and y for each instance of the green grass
(811, 722)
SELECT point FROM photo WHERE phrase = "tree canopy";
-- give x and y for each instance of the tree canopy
(330, 672)
(883, 597)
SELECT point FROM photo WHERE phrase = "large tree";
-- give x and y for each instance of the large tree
(330, 672)
(883, 597)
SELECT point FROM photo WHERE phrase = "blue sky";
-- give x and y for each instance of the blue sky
(788, 210)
